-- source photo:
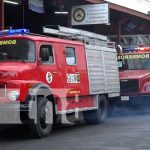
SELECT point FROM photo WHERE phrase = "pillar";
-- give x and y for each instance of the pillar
(119, 32)
(1, 14)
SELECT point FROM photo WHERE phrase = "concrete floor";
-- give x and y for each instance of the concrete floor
(122, 132)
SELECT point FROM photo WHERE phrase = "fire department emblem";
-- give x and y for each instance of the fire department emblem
(49, 77)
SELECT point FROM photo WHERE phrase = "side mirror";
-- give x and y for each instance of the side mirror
(44, 54)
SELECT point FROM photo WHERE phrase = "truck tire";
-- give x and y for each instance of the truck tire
(41, 125)
(99, 115)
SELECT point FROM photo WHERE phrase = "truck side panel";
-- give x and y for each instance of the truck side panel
(102, 70)
(111, 72)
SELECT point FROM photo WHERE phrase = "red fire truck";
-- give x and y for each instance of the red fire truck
(56, 76)
(134, 68)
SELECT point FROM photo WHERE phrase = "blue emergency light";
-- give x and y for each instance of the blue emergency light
(13, 32)
(127, 50)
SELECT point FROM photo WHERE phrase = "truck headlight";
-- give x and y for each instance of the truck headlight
(13, 95)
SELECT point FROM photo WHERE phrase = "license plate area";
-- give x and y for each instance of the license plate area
(124, 98)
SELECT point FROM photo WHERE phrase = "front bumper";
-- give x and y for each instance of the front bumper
(14, 107)
(13, 113)
(132, 100)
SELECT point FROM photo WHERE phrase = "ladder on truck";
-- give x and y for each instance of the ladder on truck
(132, 41)
(87, 37)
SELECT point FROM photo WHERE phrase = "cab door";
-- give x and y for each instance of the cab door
(48, 66)
(76, 70)
(71, 69)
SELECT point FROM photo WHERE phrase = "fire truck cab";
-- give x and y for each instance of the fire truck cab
(56, 76)
(134, 70)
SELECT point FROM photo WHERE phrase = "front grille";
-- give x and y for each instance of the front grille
(129, 86)
(2, 90)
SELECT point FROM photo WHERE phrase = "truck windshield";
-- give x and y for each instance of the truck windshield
(140, 61)
(17, 50)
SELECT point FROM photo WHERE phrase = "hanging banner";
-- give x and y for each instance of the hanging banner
(90, 14)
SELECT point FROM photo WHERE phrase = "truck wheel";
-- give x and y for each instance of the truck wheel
(41, 125)
(99, 115)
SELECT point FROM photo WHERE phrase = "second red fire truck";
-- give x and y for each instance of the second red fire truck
(134, 68)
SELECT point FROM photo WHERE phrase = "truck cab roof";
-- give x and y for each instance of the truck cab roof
(41, 38)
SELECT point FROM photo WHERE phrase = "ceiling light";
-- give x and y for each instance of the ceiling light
(61, 12)
(10, 2)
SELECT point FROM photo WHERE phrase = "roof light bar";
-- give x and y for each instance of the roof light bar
(138, 49)
(13, 32)
(11, 2)
(127, 50)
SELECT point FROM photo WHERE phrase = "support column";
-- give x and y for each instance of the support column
(1, 14)
(119, 32)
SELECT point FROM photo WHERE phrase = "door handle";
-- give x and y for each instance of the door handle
(55, 72)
